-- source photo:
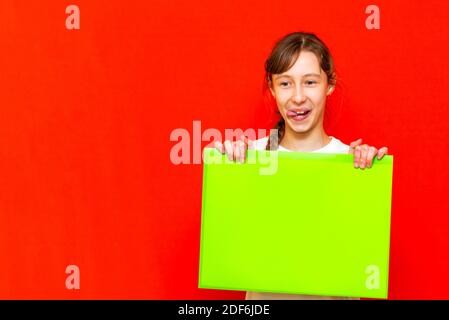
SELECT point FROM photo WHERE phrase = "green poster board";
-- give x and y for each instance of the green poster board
(313, 225)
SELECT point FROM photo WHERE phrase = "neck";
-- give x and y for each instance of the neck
(304, 141)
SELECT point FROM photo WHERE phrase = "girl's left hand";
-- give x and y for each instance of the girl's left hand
(364, 154)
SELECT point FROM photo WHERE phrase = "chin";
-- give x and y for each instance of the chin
(299, 128)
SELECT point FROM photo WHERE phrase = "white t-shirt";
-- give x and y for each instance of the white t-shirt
(334, 146)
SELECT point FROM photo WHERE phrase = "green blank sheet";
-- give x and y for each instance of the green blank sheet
(315, 226)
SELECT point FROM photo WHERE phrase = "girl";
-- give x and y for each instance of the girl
(300, 75)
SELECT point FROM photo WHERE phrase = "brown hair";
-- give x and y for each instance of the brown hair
(283, 56)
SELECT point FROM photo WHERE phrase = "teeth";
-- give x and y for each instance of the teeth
(301, 113)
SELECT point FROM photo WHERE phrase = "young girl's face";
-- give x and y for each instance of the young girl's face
(301, 93)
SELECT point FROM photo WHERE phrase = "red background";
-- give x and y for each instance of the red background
(86, 116)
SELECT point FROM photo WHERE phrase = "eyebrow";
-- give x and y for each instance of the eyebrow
(306, 75)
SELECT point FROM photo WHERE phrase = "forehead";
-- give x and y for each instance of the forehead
(306, 64)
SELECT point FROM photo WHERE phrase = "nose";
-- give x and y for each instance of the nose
(298, 95)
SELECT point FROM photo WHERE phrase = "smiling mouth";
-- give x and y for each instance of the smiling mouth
(298, 115)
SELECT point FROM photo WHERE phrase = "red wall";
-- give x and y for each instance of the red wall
(86, 116)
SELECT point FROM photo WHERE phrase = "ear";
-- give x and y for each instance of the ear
(270, 85)
(330, 89)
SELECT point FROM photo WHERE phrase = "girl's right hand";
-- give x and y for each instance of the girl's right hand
(236, 151)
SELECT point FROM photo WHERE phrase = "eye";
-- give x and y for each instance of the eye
(283, 84)
(310, 82)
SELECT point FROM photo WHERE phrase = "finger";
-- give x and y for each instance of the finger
(357, 155)
(353, 145)
(237, 152)
(242, 142)
(219, 146)
(228, 149)
(243, 147)
(363, 157)
(250, 145)
(372, 151)
(382, 151)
